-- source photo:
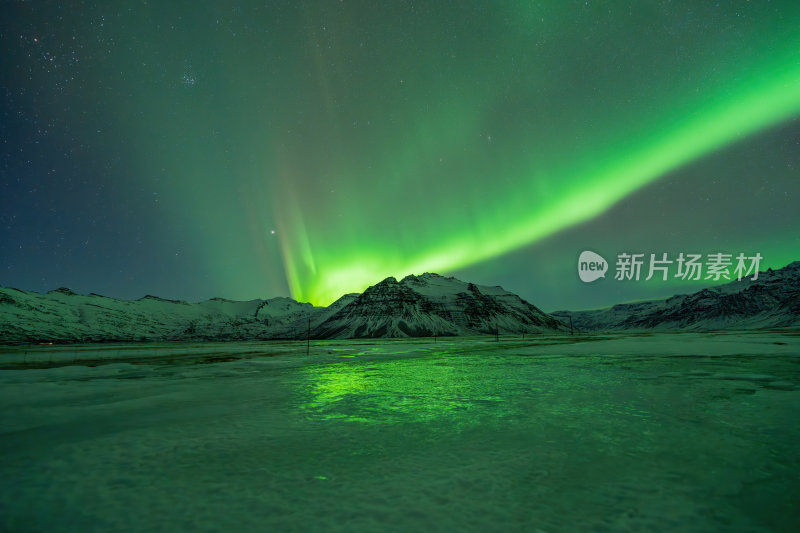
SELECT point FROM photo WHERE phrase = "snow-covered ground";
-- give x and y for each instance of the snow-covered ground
(662, 432)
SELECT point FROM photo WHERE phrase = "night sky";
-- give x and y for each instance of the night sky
(310, 149)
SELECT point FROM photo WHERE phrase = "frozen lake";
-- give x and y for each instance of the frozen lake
(667, 432)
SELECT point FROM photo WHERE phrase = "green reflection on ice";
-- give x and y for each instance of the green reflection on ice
(416, 390)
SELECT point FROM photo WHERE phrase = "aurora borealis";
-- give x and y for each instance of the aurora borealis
(193, 149)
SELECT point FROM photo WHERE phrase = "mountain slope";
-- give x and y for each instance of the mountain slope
(430, 304)
(773, 300)
(62, 315)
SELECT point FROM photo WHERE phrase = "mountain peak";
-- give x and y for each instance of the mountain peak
(63, 290)
(423, 278)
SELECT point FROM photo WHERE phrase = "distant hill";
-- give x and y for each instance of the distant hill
(773, 300)
(61, 315)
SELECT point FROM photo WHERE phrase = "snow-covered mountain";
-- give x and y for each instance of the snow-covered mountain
(62, 315)
(417, 306)
(430, 304)
(773, 300)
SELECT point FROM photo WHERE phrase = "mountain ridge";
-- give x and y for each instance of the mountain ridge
(425, 305)
(772, 300)
(416, 306)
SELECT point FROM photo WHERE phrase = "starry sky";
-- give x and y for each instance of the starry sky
(193, 149)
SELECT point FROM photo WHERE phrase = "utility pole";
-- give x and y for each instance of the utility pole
(308, 337)
(570, 325)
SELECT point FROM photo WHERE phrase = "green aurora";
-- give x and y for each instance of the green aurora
(537, 204)
(474, 203)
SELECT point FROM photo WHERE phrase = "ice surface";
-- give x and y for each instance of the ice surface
(667, 432)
